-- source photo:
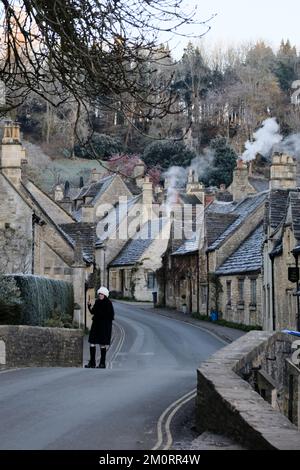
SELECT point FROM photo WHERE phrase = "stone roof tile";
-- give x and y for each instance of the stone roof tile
(243, 210)
(83, 233)
(247, 258)
(216, 224)
(277, 206)
(134, 248)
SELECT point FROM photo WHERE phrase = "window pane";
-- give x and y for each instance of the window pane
(151, 280)
(228, 290)
(203, 295)
(241, 290)
(253, 291)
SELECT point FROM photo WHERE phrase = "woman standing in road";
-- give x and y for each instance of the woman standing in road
(103, 316)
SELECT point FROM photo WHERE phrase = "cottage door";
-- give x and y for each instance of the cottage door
(190, 304)
(122, 281)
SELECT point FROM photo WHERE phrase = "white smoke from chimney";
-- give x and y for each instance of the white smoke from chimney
(175, 178)
(290, 145)
(202, 162)
(264, 140)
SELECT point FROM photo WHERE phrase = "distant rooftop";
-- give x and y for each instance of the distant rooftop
(134, 248)
(242, 210)
(247, 258)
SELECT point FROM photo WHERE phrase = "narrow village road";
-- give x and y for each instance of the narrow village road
(152, 363)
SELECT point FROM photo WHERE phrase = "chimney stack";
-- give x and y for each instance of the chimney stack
(96, 175)
(147, 198)
(58, 193)
(240, 185)
(194, 187)
(11, 133)
(139, 174)
(283, 171)
(12, 152)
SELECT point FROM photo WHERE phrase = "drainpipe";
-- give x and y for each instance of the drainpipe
(298, 300)
(107, 269)
(33, 243)
(207, 290)
(198, 276)
(273, 296)
(85, 317)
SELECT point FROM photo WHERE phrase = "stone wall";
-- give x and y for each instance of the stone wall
(115, 190)
(285, 300)
(247, 311)
(228, 404)
(15, 230)
(32, 346)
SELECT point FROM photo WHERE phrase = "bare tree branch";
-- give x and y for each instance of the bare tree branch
(99, 52)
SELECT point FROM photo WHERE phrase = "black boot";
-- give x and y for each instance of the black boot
(92, 362)
(102, 360)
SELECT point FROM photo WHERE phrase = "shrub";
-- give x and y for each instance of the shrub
(10, 301)
(40, 297)
(59, 320)
(114, 294)
(100, 146)
(167, 153)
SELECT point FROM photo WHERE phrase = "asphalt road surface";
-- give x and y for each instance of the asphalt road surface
(150, 377)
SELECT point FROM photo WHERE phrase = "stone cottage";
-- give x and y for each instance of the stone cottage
(133, 271)
(188, 277)
(280, 226)
(240, 282)
(32, 234)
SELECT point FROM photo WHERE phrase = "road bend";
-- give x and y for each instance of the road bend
(150, 375)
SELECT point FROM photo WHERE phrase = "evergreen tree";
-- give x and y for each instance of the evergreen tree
(99, 146)
(286, 66)
(224, 162)
(167, 153)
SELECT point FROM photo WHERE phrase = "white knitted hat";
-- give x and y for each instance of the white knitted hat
(103, 290)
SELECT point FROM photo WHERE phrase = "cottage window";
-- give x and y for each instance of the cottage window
(151, 281)
(194, 287)
(228, 292)
(114, 280)
(253, 291)
(203, 295)
(57, 270)
(241, 283)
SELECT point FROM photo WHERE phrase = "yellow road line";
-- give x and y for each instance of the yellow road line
(170, 417)
(175, 404)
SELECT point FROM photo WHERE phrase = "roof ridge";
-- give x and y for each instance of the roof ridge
(50, 198)
(17, 190)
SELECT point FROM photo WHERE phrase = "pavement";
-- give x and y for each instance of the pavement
(223, 332)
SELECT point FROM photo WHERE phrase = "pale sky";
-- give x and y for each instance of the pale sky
(245, 21)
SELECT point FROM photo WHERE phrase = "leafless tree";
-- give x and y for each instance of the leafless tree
(96, 51)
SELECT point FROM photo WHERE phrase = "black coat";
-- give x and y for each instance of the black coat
(103, 315)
